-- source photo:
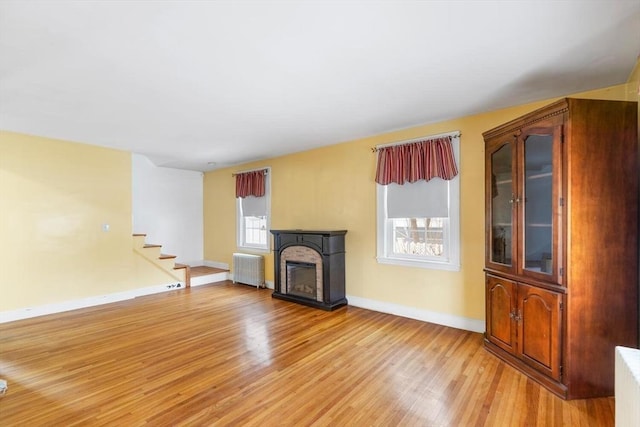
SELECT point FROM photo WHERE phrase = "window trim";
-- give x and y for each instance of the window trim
(383, 239)
(240, 237)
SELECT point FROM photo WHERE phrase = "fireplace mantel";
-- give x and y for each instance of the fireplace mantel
(328, 255)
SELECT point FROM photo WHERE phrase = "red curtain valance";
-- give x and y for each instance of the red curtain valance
(415, 161)
(250, 183)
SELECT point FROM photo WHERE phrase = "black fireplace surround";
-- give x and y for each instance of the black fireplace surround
(329, 266)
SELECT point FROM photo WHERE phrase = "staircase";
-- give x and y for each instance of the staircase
(153, 253)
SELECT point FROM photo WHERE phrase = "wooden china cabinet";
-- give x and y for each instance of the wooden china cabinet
(561, 255)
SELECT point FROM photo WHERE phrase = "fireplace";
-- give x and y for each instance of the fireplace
(309, 267)
(301, 279)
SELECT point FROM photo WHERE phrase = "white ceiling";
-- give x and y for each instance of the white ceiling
(192, 82)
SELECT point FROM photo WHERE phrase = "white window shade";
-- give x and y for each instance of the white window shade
(420, 199)
(254, 206)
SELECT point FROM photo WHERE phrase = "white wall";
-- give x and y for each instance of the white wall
(167, 207)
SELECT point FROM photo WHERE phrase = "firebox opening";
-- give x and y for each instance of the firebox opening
(301, 279)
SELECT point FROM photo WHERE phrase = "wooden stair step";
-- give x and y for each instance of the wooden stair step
(187, 273)
(176, 266)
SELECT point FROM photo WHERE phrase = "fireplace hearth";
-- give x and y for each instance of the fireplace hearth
(309, 267)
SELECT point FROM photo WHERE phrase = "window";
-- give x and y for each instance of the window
(418, 223)
(252, 219)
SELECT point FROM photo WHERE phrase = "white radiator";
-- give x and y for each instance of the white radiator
(248, 269)
(627, 387)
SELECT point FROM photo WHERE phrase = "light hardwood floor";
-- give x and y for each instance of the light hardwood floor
(229, 354)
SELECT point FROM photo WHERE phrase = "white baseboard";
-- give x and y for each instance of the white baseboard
(458, 322)
(209, 279)
(215, 264)
(467, 324)
(28, 312)
(268, 284)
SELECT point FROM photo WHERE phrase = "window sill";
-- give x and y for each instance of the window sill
(261, 250)
(431, 265)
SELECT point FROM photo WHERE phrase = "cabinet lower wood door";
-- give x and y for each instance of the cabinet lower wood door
(501, 306)
(539, 329)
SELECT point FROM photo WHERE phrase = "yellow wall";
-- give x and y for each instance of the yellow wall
(54, 198)
(634, 82)
(633, 88)
(333, 188)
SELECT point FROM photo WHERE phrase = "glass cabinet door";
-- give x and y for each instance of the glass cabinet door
(537, 210)
(502, 196)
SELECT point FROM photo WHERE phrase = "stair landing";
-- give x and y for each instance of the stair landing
(202, 275)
